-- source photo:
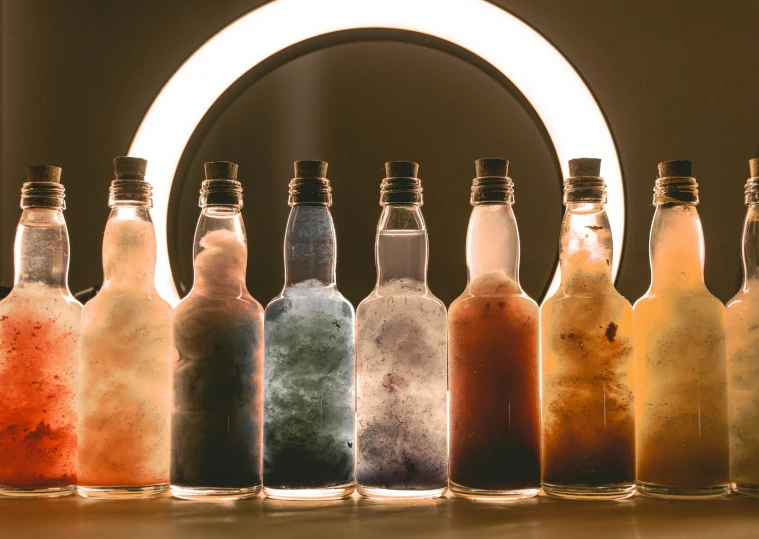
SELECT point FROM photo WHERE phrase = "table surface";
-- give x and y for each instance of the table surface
(733, 517)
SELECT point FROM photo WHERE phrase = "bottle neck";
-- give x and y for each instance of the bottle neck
(310, 246)
(401, 248)
(221, 252)
(41, 250)
(585, 247)
(676, 248)
(129, 248)
(750, 249)
(492, 244)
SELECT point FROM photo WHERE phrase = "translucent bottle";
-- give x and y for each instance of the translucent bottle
(493, 354)
(401, 378)
(681, 380)
(39, 350)
(309, 356)
(587, 355)
(217, 412)
(743, 354)
(125, 362)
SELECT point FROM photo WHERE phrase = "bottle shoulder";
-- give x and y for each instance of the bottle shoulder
(375, 299)
(695, 298)
(240, 304)
(113, 298)
(45, 299)
(517, 299)
(324, 298)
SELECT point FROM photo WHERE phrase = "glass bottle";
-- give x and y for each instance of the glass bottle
(39, 350)
(217, 412)
(125, 362)
(743, 354)
(401, 378)
(309, 356)
(681, 380)
(587, 355)
(493, 354)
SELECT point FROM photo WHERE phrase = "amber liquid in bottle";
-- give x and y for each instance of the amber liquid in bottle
(587, 356)
(493, 357)
(743, 355)
(681, 380)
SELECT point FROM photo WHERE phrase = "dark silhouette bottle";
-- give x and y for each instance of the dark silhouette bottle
(39, 350)
(309, 356)
(217, 412)
(493, 355)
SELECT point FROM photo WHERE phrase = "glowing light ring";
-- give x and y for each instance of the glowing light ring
(556, 91)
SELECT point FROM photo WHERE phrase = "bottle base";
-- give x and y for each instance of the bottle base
(210, 494)
(51, 492)
(122, 493)
(337, 492)
(491, 494)
(683, 493)
(745, 490)
(391, 494)
(619, 491)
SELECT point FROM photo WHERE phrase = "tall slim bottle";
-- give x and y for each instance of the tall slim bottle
(493, 354)
(587, 355)
(743, 354)
(681, 379)
(125, 362)
(309, 356)
(39, 350)
(217, 412)
(401, 378)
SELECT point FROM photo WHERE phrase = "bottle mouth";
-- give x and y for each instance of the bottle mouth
(675, 190)
(43, 195)
(220, 193)
(130, 192)
(591, 189)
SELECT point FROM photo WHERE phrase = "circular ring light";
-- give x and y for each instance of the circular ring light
(567, 108)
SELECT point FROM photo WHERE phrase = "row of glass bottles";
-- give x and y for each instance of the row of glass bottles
(133, 437)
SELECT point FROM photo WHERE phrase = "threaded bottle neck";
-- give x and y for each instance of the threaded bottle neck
(221, 193)
(676, 190)
(588, 189)
(492, 190)
(43, 195)
(129, 192)
(751, 192)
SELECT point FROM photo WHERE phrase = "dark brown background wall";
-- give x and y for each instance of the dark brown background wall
(676, 79)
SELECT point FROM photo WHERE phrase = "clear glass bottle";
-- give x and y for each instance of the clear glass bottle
(681, 380)
(401, 357)
(217, 412)
(493, 354)
(587, 356)
(125, 362)
(309, 356)
(39, 350)
(743, 354)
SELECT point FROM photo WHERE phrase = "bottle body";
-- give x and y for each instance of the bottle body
(39, 354)
(217, 405)
(743, 360)
(125, 368)
(401, 369)
(309, 369)
(494, 368)
(587, 360)
(681, 385)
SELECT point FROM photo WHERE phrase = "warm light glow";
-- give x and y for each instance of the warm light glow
(566, 106)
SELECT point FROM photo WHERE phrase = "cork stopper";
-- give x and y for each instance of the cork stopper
(129, 168)
(310, 168)
(43, 173)
(220, 170)
(753, 166)
(492, 184)
(401, 169)
(675, 169)
(584, 166)
(491, 167)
